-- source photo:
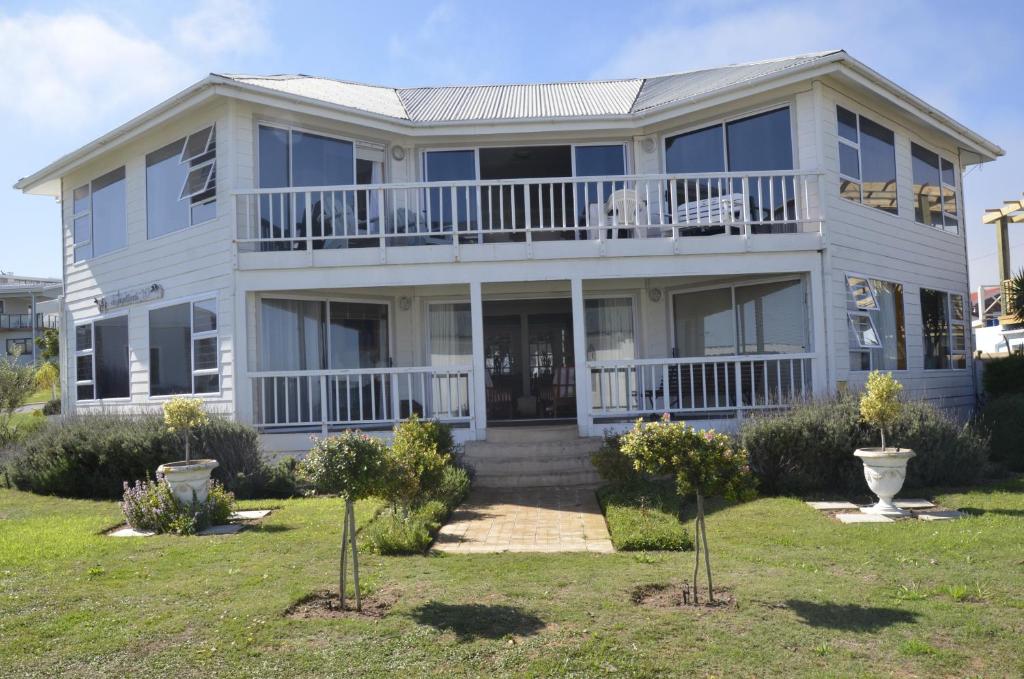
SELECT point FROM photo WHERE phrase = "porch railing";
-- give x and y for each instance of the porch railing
(666, 206)
(723, 385)
(329, 399)
(24, 321)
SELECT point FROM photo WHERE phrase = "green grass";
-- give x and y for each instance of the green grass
(41, 396)
(644, 517)
(814, 598)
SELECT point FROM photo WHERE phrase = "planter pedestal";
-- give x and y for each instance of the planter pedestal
(189, 480)
(885, 471)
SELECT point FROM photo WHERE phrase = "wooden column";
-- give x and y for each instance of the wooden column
(1003, 248)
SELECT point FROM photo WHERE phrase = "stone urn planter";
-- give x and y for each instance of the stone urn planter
(189, 480)
(885, 470)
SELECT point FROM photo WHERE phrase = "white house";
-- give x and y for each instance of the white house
(311, 254)
(27, 307)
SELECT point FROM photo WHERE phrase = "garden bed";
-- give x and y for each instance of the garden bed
(644, 516)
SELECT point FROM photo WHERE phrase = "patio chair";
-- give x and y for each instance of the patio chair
(563, 389)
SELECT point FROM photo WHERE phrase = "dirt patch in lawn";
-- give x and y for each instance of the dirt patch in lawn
(680, 595)
(325, 604)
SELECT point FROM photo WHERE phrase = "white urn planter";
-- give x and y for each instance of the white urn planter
(189, 480)
(885, 470)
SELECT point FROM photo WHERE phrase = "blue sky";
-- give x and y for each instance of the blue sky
(73, 70)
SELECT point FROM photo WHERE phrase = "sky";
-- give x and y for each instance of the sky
(71, 71)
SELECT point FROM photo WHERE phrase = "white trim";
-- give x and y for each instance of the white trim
(91, 352)
(860, 158)
(191, 301)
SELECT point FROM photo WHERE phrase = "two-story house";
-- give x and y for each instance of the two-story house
(27, 307)
(310, 254)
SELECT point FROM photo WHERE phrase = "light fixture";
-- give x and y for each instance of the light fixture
(648, 144)
(654, 294)
(397, 152)
(404, 303)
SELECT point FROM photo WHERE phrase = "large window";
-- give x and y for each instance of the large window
(451, 337)
(181, 183)
(764, 318)
(102, 359)
(935, 195)
(183, 351)
(944, 329)
(610, 332)
(317, 335)
(20, 346)
(99, 221)
(867, 161)
(876, 323)
(451, 166)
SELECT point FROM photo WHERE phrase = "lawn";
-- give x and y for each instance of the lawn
(814, 598)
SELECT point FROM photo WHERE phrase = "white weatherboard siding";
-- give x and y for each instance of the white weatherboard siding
(190, 264)
(868, 241)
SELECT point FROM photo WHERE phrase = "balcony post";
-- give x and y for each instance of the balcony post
(479, 380)
(579, 338)
(32, 322)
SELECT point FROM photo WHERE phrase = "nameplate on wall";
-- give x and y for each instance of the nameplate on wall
(123, 298)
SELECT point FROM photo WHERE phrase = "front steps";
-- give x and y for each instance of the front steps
(530, 457)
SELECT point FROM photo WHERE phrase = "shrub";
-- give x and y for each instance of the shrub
(396, 534)
(880, 404)
(89, 456)
(184, 414)
(612, 464)
(1004, 375)
(644, 516)
(809, 448)
(151, 506)
(420, 452)
(52, 407)
(17, 382)
(452, 488)
(1003, 419)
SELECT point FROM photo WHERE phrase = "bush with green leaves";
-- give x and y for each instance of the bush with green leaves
(880, 404)
(613, 465)
(1004, 375)
(152, 506)
(411, 532)
(89, 456)
(52, 407)
(644, 516)
(17, 382)
(1003, 419)
(702, 462)
(420, 451)
(808, 448)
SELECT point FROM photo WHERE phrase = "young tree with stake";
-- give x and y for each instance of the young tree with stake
(704, 463)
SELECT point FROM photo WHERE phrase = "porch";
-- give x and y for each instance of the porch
(597, 353)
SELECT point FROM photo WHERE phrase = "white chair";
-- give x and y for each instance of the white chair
(625, 208)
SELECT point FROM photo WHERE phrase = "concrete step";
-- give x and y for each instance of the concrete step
(553, 465)
(487, 450)
(533, 434)
(588, 478)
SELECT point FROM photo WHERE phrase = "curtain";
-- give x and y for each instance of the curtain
(292, 335)
(451, 344)
(610, 333)
(890, 326)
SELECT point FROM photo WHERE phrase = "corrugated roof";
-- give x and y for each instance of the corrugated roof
(525, 101)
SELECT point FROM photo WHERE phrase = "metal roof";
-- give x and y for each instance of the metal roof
(525, 101)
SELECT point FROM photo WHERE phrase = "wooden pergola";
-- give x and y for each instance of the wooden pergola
(1012, 212)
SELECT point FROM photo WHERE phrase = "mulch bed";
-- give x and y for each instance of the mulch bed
(680, 596)
(325, 604)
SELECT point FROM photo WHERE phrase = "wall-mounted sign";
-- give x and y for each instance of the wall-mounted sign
(128, 297)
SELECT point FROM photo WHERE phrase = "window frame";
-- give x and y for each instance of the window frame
(193, 336)
(723, 122)
(25, 342)
(858, 146)
(950, 322)
(850, 315)
(357, 146)
(213, 199)
(91, 352)
(957, 227)
(670, 294)
(91, 242)
(871, 281)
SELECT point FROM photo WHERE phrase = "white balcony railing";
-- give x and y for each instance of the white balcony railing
(328, 399)
(667, 206)
(706, 386)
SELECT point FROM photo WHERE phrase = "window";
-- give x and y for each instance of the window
(757, 143)
(609, 325)
(181, 183)
(19, 346)
(935, 182)
(99, 223)
(764, 318)
(451, 166)
(101, 359)
(183, 351)
(596, 161)
(877, 324)
(944, 330)
(867, 161)
(451, 337)
(317, 335)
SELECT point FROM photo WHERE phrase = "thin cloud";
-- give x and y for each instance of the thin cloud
(223, 27)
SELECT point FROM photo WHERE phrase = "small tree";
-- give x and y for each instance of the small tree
(185, 414)
(352, 465)
(17, 382)
(702, 462)
(880, 405)
(48, 377)
(419, 453)
(48, 344)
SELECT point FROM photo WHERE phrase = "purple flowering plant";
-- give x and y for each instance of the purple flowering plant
(151, 506)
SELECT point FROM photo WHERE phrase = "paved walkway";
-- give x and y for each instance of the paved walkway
(526, 520)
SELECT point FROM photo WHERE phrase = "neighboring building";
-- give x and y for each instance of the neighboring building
(999, 330)
(26, 308)
(311, 254)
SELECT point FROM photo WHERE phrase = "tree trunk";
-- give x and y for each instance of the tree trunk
(696, 551)
(707, 552)
(344, 546)
(355, 555)
(882, 430)
(188, 449)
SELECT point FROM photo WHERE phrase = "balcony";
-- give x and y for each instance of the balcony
(1006, 301)
(24, 321)
(636, 214)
